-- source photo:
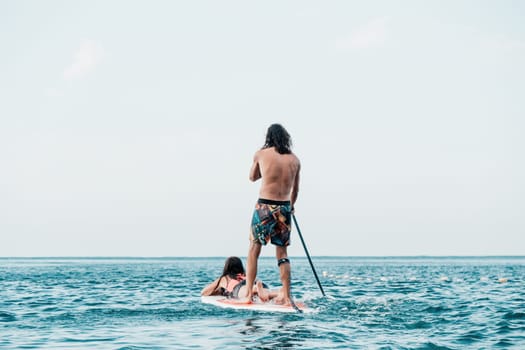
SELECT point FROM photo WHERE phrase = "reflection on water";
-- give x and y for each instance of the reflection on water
(251, 327)
(274, 333)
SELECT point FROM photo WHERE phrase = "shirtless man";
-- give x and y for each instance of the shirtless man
(278, 168)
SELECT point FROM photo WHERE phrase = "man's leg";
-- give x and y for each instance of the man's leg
(285, 271)
(251, 266)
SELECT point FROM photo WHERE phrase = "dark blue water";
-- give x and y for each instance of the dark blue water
(372, 303)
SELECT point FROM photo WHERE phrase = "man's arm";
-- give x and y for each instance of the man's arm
(255, 171)
(295, 188)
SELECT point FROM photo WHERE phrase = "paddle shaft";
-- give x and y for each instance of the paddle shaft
(308, 255)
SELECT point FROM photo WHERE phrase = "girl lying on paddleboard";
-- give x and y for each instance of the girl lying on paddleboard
(232, 283)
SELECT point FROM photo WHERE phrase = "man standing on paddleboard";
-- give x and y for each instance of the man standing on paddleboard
(278, 168)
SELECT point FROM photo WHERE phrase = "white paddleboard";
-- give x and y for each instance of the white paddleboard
(222, 301)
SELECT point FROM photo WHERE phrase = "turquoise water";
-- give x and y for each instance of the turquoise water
(371, 303)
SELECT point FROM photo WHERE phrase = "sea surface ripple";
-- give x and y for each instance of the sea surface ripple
(371, 303)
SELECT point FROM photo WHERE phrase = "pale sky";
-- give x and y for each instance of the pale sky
(127, 128)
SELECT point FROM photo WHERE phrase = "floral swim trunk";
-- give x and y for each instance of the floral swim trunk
(271, 222)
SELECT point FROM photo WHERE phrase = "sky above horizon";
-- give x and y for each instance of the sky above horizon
(127, 128)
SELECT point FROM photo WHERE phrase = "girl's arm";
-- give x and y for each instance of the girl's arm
(212, 288)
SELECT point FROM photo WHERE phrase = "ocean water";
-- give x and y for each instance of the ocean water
(371, 303)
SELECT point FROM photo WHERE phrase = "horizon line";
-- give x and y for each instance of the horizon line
(264, 257)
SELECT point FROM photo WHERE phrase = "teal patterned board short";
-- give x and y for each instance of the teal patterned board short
(271, 222)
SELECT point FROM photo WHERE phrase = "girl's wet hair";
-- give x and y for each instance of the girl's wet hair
(278, 137)
(232, 267)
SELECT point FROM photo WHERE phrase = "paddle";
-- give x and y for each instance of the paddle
(308, 254)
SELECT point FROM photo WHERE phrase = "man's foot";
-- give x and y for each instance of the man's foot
(282, 299)
(263, 294)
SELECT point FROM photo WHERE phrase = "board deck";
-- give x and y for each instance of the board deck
(224, 302)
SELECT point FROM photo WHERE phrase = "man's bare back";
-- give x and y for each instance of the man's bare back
(279, 173)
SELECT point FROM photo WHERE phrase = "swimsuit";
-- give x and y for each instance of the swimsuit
(271, 222)
(234, 285)
(235, 291)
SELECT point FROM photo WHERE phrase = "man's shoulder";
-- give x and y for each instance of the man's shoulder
(271, 152)
(264, 152)
(259, 152)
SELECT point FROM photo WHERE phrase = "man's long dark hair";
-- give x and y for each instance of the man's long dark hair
(278, 137)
